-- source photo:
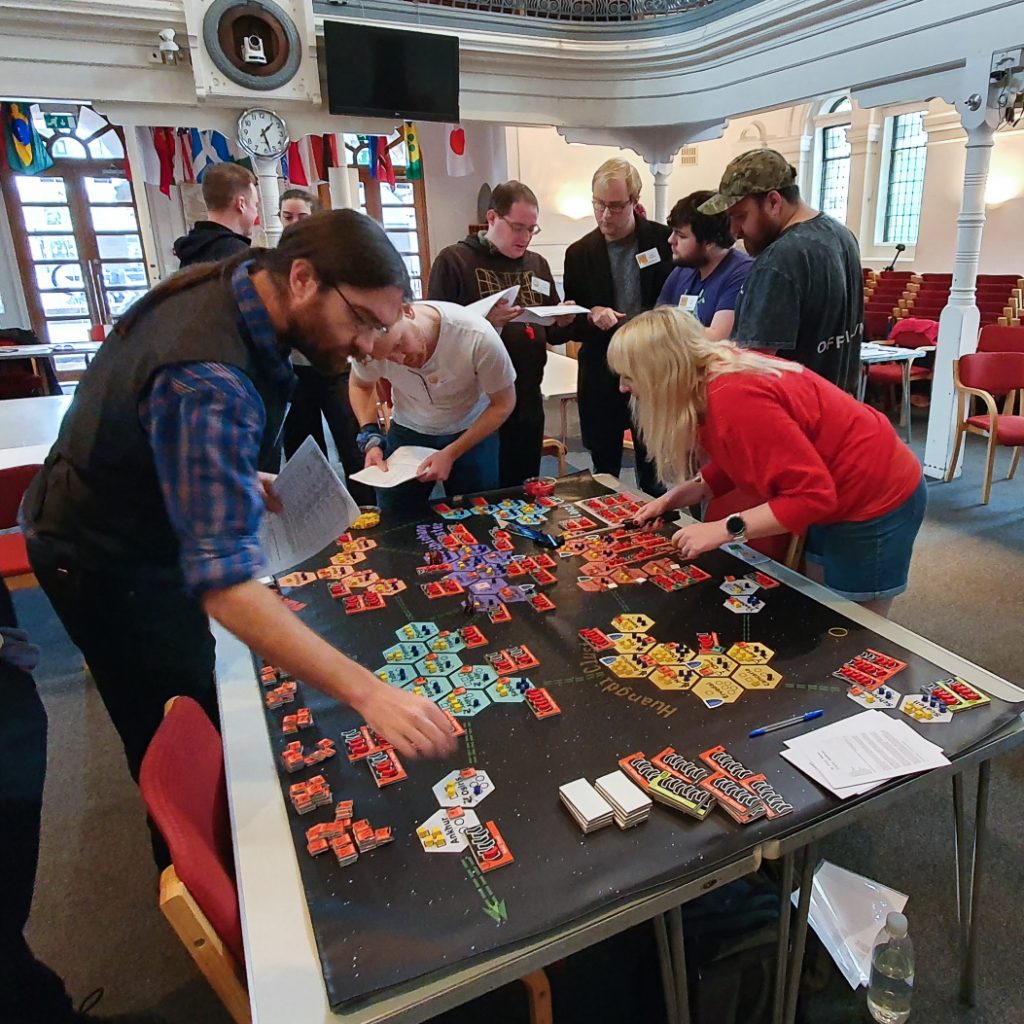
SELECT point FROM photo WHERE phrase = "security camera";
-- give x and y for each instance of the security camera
(252, 50)
(169, 49)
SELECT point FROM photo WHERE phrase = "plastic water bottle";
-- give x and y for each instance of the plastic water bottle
(892, 972)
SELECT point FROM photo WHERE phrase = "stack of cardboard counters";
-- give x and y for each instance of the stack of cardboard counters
(630, 803)
(586, 805)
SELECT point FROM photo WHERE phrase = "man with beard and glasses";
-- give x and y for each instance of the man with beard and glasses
(145, 517)
(708, 272)
(804, 297)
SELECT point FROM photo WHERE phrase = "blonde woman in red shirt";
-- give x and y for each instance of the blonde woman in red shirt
(819, 461)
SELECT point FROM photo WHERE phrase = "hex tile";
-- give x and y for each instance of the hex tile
(750, 653)
(508, 690)
(396, 674)
(628, 666)
(474, 677)
(448, 642)
(632, 643)
(673, 677)
(417, 631)
(716, 691)
(436, 688)
(714, 664)
(348, 558)
(632, 623)
(439, 664)
(672, 654)
(465, 787)
(757, 677)
(464, 704)
(344, 566)
(404, 652)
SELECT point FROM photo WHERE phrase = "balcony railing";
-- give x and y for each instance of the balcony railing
(586, 11)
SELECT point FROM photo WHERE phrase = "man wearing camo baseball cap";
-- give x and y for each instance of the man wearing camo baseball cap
(804, 296)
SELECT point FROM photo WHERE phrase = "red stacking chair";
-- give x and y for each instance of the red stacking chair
(1001, 339)
(14, 564)
(182, 784)
(978, 376)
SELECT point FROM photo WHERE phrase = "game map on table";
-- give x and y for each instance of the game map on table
(557, 665)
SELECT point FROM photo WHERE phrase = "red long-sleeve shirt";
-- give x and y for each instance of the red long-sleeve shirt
(814, 453)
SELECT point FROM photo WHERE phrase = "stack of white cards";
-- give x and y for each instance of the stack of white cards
(586, 805)
(630, 803)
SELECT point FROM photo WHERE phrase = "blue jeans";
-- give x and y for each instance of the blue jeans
(476, 470)
(870, 560)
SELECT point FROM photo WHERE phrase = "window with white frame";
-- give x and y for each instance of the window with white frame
(908, 149)
(833, 151)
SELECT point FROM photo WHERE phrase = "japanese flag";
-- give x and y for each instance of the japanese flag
(459, 164)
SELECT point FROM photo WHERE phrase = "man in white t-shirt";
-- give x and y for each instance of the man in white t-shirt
(452, 387)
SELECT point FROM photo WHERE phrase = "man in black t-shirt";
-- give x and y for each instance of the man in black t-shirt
(804, 296)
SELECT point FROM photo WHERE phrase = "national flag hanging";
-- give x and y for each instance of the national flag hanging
(208, 148)
(306, 162)
(183, 173)
(413, 153)
(456, 157)
(381, 168)
(26, 151)
(334, 151)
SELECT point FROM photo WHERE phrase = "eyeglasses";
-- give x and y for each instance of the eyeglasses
(600, 206)
(363, 325)
(522, 229)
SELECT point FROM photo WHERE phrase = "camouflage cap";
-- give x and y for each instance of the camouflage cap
(751, 174)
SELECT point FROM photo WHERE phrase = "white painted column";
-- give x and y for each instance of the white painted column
(270, 198)
(150, 248)
(865, 142)
(959, 321)
(662, 173)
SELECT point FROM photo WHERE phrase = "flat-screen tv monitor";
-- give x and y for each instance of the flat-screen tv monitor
(384, 72)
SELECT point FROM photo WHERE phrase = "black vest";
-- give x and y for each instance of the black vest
(97, 502)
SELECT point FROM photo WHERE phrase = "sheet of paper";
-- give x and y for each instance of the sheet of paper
(545, 315)
(844, 793)
(846, 912)
(402, 466)
(317, 508)
(483, 306)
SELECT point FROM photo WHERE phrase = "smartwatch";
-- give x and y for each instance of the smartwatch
(736, 528)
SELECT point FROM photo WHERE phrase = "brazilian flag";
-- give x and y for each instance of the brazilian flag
(26, 151)
(413, 155)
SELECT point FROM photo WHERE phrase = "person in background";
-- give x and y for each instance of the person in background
(708, 271)
(617, 270)
(145, 519)
(818, 460)
(804, 296)
(232, 209)
(485, 264)
(452, 386)
(318, 397)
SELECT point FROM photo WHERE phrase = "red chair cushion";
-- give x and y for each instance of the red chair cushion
(892, 373)
(13, 555)
(1010, 430)
(14, 482)
(182, 784)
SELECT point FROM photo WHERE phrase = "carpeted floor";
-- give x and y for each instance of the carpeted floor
(96, 921)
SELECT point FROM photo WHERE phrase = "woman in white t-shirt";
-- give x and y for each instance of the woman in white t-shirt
(452, 387)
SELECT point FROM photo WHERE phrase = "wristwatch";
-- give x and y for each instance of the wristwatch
(736, 528)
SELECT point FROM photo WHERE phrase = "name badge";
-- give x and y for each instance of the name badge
(648, 259)
(688, 303)
(540, 286)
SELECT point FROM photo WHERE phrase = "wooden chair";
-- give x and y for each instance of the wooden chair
(978, 376)
(553, 447)
(182, 784)
(14, 564)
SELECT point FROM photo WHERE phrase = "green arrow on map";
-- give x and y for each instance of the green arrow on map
(496, 909)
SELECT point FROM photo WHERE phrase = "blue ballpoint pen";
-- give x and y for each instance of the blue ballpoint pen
(789, 721)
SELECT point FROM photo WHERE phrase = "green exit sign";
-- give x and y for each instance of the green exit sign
(60, 122)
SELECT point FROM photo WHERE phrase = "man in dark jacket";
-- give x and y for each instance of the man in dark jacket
(487, 263)
(232, 205)
(618, 270)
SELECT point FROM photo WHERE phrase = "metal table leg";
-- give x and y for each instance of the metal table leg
(964, 853)
(968, 973)
(905, 372)
(675, 933)
(782, 954)
(862, 384)
(666, 964)
(800, 932)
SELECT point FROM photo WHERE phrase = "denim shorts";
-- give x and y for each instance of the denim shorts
(869, 560)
